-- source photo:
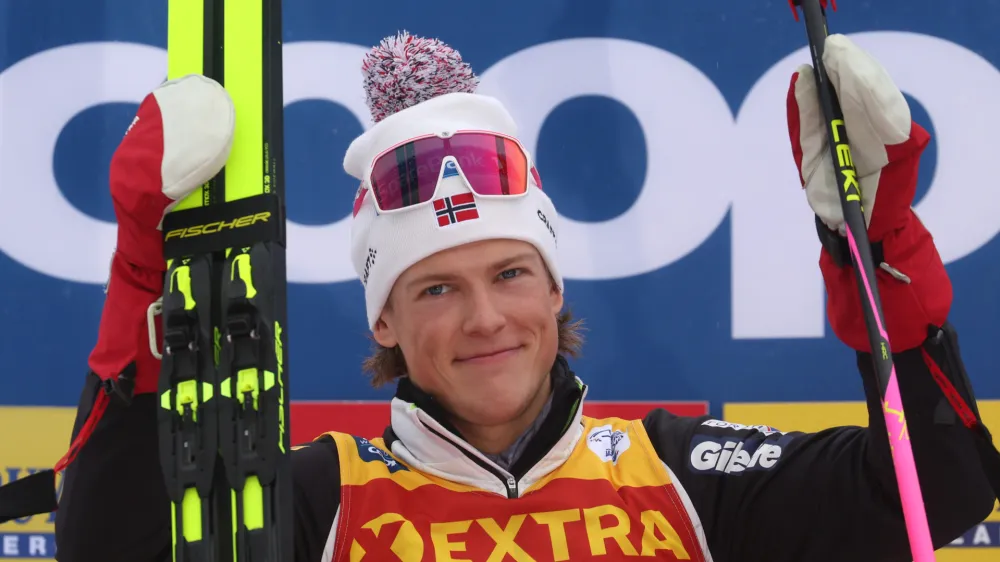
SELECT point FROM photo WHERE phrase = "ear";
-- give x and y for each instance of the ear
(556, 297)
(384, 334)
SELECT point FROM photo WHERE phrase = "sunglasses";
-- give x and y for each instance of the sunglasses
(408, 174)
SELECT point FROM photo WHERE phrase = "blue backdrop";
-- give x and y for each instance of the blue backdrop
(700, 293)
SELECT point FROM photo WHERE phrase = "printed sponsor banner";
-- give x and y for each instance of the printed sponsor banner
(979, 544)
(32, 439)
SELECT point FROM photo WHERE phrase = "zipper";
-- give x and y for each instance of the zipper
(508, 479)
(511, 488)
(510, 483)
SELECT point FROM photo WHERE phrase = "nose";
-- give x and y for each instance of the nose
(483, 316)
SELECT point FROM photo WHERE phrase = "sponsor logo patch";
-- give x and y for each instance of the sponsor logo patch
(371, 453)
(765, 429)
(714, 455)
(608, 444)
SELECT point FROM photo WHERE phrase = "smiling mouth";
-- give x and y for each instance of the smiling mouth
(489, 356)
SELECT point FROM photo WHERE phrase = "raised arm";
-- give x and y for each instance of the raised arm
(832, 495)
(114, 505)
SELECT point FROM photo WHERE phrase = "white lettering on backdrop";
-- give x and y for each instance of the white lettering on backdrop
(777, 291)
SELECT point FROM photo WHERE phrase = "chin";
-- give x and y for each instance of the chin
(498, 401)
(495, 392)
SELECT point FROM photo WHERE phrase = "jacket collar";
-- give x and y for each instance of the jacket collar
(421, 435)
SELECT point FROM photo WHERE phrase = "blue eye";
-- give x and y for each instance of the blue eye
(435, 290)
(510, 273)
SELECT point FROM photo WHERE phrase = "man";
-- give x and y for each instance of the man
(488, 456)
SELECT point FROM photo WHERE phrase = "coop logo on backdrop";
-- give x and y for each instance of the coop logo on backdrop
(687, 191)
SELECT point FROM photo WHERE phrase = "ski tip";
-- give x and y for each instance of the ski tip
(824, 3)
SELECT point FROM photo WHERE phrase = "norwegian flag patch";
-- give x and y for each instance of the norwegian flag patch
(457, 208)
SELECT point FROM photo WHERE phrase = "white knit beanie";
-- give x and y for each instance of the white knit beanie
(417, 87)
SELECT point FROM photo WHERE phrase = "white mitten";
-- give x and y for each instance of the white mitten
(876, 115)
(180, 138)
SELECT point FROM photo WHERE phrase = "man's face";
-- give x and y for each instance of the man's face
(477, 325)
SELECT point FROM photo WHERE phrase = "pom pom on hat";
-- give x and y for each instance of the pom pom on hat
(404, 70)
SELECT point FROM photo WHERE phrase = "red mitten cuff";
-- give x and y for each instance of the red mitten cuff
(897, 185)
(135, 178)
(180, 139)
(123, 336)
(908, 308)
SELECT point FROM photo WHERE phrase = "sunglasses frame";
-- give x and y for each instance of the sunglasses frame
(529, 166)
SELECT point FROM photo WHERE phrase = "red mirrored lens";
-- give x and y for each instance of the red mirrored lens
(493, 165)
(408, 174)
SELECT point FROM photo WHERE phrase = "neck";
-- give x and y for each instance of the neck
(495, 439)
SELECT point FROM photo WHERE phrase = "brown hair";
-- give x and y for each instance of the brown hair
(385, 364)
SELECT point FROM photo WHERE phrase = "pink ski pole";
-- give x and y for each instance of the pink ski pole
(914, 512)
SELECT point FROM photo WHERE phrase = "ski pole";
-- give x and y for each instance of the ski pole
(921, 546)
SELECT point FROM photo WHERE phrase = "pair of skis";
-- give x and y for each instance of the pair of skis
(223, 392)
